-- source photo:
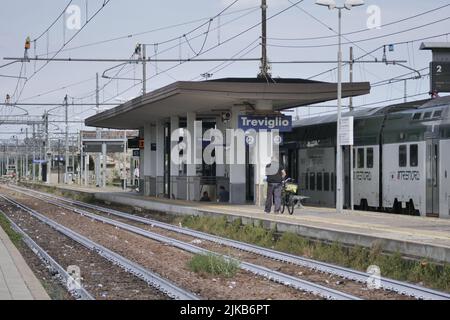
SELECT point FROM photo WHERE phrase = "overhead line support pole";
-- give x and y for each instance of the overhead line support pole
(144, 69)
(66, 156)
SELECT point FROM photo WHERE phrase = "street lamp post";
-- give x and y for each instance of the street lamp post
(331, 4)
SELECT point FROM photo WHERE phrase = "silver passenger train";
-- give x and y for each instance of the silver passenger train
(401, 160)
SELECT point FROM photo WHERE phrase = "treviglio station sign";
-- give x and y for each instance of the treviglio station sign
(282, 123)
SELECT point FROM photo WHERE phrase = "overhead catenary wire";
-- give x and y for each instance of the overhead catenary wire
(132, 35)
(391, 100)
(221, 66)
(166, 71)
(54, 22)
(206, 23)
(220, 44)
(315, 114)
(58, 89)
(181, 38)
(397, 78)
(328, 27)
(381, 47)
(246, 11)
(361, 40)
(105, 3)
(362, 30)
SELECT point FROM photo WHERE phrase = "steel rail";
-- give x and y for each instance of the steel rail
(400, 287)
(151, 278)
(267, 273)
(79, 293)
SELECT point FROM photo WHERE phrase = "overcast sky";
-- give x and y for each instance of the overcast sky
(21, 18)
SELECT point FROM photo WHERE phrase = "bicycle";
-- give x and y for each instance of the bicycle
(289, 197)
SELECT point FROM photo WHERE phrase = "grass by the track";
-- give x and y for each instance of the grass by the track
(393, 266)
(214, 265)
(15, 237)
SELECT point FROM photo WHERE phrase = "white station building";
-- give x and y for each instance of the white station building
(219, 104)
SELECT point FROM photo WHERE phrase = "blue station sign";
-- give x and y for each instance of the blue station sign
(281, 123)
(39, 161)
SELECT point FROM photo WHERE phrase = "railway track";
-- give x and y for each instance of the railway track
(278, 277)
(151, 278)
(403, 288)
(78, 292)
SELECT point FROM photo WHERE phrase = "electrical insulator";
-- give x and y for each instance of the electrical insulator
(137, 50)
(27, 43)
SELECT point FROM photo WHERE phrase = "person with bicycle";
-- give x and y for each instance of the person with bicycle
(275, 174)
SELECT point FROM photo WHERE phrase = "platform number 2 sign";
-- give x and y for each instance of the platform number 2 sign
(439, 68)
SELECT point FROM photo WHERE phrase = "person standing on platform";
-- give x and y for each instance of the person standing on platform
(275, 175)
(123, 178)
(136, 178)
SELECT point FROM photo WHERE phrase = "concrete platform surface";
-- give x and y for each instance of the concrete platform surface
(17, 281)
(415, 236)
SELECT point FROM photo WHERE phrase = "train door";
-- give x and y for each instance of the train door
(444, 185)
(432, 172)
(346, 166)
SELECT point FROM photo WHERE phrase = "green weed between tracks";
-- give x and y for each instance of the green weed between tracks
(360, 258)
(213, 264)
(15, 237)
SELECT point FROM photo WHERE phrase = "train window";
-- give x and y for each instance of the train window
(417, 116)
(306, 181)
(413, 155)
(369, 157)
(402, 156)
(427, 115)
(312, 181)
(332, 181)
(326, 181)
(319, 181)
(360, 158)
(437, 114)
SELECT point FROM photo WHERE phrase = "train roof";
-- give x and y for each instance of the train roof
(377, 111)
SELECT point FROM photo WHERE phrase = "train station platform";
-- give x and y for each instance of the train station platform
(17, 281)
(418, 237)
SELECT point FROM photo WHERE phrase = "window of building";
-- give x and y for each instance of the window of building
(417, 116)
(360, 158)
(402, 156)
(312, 181)
(326, 181)
(414, 155)
(319, 181)
(369, 157)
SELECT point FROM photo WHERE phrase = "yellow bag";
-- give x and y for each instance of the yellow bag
(291, 187)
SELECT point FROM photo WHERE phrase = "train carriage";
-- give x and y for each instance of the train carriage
(401, 158)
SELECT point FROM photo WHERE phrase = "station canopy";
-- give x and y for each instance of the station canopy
(210, 98)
